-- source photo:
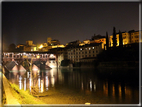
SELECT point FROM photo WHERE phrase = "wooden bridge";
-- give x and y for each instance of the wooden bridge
(22, 60)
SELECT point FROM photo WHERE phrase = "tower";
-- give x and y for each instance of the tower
(49, 40)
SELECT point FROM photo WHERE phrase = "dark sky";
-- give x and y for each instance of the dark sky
(65, 21)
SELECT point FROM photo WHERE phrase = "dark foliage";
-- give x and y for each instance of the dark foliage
(120, 39)
(130, 53)
(65, 62)
(77, 64)
(107, 41)
(114, 37)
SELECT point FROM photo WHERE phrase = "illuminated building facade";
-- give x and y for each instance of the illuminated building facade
(134, 36)
(61, 54)
(43, 47)
(84, 42)
(30, 46)
(51, 42)
(75, 54)
(128, 38)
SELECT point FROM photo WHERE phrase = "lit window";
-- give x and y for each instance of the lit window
(92, 47)
(89, 48)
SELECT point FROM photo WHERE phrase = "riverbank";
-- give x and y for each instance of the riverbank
(12, 95)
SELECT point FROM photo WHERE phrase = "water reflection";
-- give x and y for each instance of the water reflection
(83, 80)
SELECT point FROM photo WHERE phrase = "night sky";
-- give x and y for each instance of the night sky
(65, 21)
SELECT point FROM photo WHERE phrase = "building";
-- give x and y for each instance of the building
(87, 41)
(60, 52)
(51, 42)
(134, 36)
(73, 43)
(100, 40)
(128, 38)
(29, 46)
(76, 53)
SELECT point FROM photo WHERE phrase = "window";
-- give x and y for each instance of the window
(136, 40)
(92, 47)
(124, 37)
(136, 36)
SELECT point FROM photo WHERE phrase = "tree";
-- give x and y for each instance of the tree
(107, 41)
(120, 38)
(12, 47)
(114, 37)
(65, 62)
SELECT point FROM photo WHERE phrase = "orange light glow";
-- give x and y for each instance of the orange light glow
(41, 46)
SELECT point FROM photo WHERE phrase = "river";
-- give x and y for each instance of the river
(79, 86)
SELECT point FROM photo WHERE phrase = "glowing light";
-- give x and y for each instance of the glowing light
(95, 86)
(38, 56)
(90, 85)
(41, 46)
(24, 83)
(52, 56)
(46, 83)
(113, 90)
(20, 83)
(87, 103)
(82, 85)
(42, 86)
(52, 65)
(30, 83)
(35, 68)
(119, 90)
(52, 81)
(27, 74)
(39, 82)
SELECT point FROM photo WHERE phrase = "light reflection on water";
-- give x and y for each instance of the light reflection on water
(87, 81)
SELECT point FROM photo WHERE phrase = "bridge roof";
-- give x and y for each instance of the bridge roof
(34, 52)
